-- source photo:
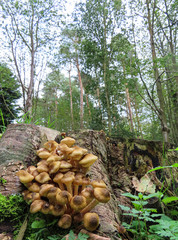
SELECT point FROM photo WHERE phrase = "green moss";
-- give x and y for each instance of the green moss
(12, 207)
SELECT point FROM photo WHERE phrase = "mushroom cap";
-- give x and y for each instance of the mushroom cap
(51, 145)
(31, 169)
(32, 196)
(54, 157)
(58, 177)
(43, 167)
(36, 206)
(68, 178)
(35, 173)
(77, 153)
(44, 189)
(43, 161)
(44, 154)
(88, 193)
(102, 194)
(24, 176)
(46, 208)
(98, 183)
(78, 202)
(91, 221)
(64, 149)
(42, 177)
(88, 160)
(54, 166)
(65, 221)
(34, 187)
(63, 197)
(58, 210)
(51, 194)
(68, 141)
(65, 165)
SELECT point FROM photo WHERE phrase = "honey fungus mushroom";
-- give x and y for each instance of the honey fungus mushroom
(91, 221)
(65, 221)
(101, 195)
(58, 185)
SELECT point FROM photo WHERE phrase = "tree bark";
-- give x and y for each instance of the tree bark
(81, 93)
(165, 130)
(71, 102)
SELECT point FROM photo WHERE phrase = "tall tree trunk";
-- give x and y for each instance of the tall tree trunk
(88, 106)
(137, 118)
(71, 102)
(105, 70)
(29, 101)
(165, 130)
(81, 93)
(129, 108)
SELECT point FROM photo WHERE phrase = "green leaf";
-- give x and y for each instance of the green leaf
(175, 165)
(130, 196)
(151, 195)
(167, 200)
(82, 236)
(71, 235)
(170, 150)
(124, 208)
(38, 224)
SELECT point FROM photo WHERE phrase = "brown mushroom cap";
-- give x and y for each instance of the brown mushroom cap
(88, 160)
(32, 196)
(77, 153)
(42, 177)
(51, 145)
(65, 165)
(24, 176)
(36, 206)
(65, 221)
(34, 187)
(46, 208)
(78, 202)
(44, 154)
(63, 197)
(58, 210)
(54, 157)
(102, 194)
(51, 195)
(44, 189)
(54, 166)
(31, 169)
(99, 183)
(43, 167)
(63, 149)
(88, 193)
(68, 141)
(91, 221)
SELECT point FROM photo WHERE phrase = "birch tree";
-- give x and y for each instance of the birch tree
(27, 26)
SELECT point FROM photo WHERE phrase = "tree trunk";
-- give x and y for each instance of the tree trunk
(81, 93)
(129, 108)
(118, 161)
(71, 103)
(165, 130)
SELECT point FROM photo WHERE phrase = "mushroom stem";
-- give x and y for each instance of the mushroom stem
(69, 188)
(90, 206)
(76, 187)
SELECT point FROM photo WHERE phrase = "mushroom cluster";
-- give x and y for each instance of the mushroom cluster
(58, 184)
